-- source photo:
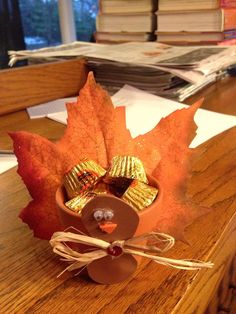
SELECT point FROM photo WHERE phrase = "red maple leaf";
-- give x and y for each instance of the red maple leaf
(97, 131)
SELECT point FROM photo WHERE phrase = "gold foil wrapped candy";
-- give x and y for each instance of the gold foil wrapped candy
(126, 179)
(82, 177)
(128, 167)
(77, 203)
(139, 195)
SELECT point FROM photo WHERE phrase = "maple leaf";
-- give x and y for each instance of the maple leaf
(36, 155)
(96, 130)
(172, 136)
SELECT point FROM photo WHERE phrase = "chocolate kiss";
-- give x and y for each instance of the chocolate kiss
(109, 270)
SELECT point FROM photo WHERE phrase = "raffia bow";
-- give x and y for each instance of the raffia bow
(101, 248)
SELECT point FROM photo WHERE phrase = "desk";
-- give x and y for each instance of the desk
(29, 269)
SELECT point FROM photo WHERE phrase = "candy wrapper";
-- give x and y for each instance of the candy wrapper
(126, 174)
(82, 177)
(105, 199)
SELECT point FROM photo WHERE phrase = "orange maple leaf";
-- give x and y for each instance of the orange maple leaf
(172, 136)
(96, 130)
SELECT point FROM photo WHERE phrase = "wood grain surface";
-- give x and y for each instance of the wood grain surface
(220, 96)
(27, 86)
(29, 269)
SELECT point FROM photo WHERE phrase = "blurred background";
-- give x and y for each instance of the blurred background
(33, 24)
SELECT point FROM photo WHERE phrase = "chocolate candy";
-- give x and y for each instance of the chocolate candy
(82, 177)
(125, 179)
(77, 203)
(139, 195)
(128, 167)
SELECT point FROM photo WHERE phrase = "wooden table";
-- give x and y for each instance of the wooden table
(29, 269)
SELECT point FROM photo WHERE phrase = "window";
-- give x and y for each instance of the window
(41, 21)
(33, 24)
(85, 12)
(11, 34)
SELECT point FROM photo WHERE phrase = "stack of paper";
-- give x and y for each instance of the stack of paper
(170, 71)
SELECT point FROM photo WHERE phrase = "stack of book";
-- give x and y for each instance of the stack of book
(126, 20)
(196, 22)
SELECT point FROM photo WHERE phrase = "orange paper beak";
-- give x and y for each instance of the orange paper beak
(107, 227)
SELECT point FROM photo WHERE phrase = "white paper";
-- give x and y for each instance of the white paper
(40, 111)
(7, 162)
(59, 117)
(144, 111)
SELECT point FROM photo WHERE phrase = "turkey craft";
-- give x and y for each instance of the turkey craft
(122, 197)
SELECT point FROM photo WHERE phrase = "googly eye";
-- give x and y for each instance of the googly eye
(108, 214)
(98, 215)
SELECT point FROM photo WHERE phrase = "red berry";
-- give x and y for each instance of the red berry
(114, 250)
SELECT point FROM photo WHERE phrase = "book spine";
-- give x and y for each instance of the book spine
(229, 19)
(227, 3)
(97, 22)
(100, 6)
(229, 42)
(151, 6)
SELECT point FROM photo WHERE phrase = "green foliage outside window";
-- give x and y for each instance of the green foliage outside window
(85, 14)
(41, 21)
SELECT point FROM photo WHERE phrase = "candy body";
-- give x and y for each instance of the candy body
(82, 177)
(140, 195)
(125, 179)
(129, 167)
